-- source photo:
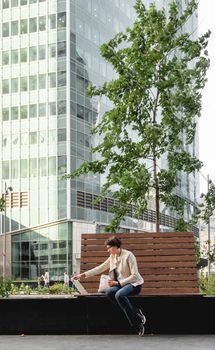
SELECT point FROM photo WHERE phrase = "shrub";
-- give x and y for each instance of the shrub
(5, 286)
(207, 284)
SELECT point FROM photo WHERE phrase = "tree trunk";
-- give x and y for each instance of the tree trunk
(157, 195)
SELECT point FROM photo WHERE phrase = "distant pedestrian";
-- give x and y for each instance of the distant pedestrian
(46, 279)
(66, 279)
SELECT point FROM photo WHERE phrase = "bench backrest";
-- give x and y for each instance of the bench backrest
(166, 260)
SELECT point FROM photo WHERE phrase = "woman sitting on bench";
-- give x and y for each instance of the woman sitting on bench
(124, 281)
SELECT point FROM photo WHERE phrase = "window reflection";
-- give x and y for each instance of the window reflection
(23, 26)
(5, 58)
(61, 20)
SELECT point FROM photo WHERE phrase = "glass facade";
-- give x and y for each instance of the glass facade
(47, 248)
(49, 54)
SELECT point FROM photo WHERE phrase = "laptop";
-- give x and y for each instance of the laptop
(82, 291)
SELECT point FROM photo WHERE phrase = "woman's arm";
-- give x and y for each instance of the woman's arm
(95, 271)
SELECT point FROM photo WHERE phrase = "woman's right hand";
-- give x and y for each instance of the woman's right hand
(76, 276)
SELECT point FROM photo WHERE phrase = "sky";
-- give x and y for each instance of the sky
(206, 13)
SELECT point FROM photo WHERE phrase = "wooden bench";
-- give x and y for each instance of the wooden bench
(166, 260)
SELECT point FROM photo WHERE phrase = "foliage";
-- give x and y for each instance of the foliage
(59, 288)
(25, 289)
(197, 252)
(208, 251)
(161, 71)
(207, 284)
(5, 286)
(207, 208)
(2, 203)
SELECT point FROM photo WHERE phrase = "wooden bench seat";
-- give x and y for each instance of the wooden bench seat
(166, 260)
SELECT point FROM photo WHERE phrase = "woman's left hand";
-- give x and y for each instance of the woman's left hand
(112, 283)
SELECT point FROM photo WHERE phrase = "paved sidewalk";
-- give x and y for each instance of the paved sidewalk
(107, 342)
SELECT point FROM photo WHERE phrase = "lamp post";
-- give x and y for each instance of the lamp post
(4, 253)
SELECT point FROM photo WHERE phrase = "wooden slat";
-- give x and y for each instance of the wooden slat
(104, 236)
(164, 250)
(152, 258)
(172, 271)
(128, 241)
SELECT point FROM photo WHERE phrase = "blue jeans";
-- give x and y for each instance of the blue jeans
(119, 296)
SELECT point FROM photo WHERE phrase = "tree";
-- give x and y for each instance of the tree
(2, 201)
(157, 97)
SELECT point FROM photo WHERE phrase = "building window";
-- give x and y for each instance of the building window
(43, 166)
(52, 21)
(80, 84)
(23, 2)
(14, 113)
(61, 49)
(33, 138)
(33, 82)
(32, 25)
(5, 29)
(24, 168)
(62, 165)
(15, 169)
(42, 81)
(52, 165)
(5, 86)
(52, 50)
(61, 107)
(14, 56)
(61, 20)
(52, 80)
(23, 26)
(33, 167)
(61, 78)
(5, 114)
(14, 3)
(5, 169)
(24, 112)
(88, 115)
(23, 55)
(42, 52)
(42, 23)
(33, 111)
(61, 135)
(14, 28)
(52, 136)
(80, 112)
(5, 58)
(5, 4)
(42, 110)
(32, 53)
(23, 84)
(52, 108)
(14, 85)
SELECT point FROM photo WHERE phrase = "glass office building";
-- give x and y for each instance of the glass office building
(49, 53)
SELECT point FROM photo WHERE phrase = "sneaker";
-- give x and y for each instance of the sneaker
(141, 330)
(141, 316)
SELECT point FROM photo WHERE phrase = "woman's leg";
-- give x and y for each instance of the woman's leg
(110, 293)
(129, 310)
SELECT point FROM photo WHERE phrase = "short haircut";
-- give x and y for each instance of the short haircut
(113, 241)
